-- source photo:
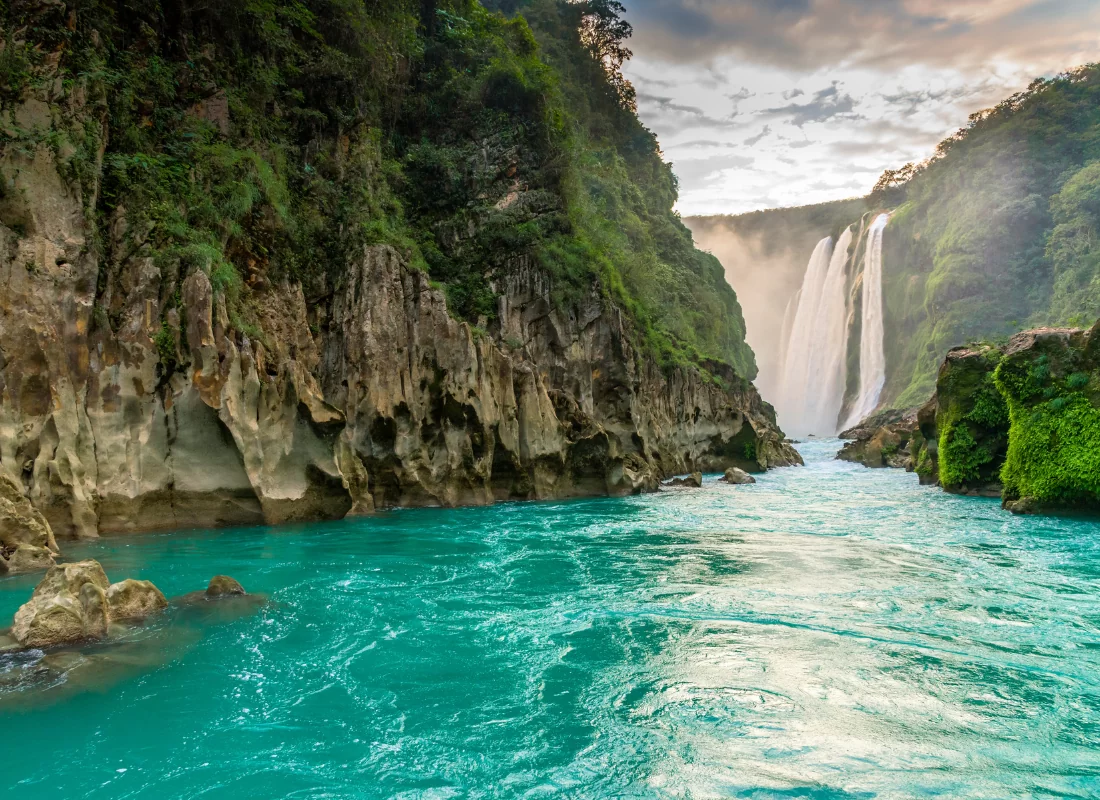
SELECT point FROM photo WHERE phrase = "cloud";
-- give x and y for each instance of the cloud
(752, 141)
(810, 34)
(702, 171)
(826, 104)
(823, 95)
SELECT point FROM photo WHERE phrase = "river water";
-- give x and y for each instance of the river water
(830, 632)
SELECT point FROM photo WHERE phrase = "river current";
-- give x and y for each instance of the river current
(829, 632)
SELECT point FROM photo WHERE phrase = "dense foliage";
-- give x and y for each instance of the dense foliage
(997, 232)
(1054, 439)
(973, 420)
(270, 139)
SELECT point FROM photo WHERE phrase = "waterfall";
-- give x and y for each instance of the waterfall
(785, 334)
(829, 363)
(814, 355)
(872, 359)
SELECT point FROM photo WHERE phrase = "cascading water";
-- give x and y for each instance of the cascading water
(813, 362)
(828, 363)
(785, 334)
(872, 358)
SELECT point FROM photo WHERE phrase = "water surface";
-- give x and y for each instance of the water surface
(830, 632)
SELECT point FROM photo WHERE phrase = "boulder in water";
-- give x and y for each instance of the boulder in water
(737, 476)
(76, 603)
(223, 586)
(69, 605)
(692, 481)
(133, 599)
(1025, 505)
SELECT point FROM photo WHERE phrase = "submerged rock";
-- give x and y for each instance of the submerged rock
(222, 586)
(737, 476)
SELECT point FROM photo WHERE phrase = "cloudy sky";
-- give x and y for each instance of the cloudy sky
(766, 103)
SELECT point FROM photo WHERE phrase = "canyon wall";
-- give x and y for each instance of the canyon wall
(130, 401)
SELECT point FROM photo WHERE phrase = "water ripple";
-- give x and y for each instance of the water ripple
(829, 632)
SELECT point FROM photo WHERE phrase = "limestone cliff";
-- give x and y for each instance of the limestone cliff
(129, 399)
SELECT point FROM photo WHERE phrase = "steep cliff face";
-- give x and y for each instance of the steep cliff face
(130, 401)
(280, 261)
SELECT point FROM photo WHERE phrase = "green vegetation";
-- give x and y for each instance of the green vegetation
(972, 420)
(996, 233)
(1054, 441)
(273, 139)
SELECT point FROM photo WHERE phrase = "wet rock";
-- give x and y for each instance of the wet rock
(692, 481)
(737, 476)
(133, 599)
(25, 558)
(1025, 505)
(222, 586)
(881, 440)
(76, 603)
(69, 605)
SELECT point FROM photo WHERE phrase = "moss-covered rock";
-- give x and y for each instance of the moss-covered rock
(1050, 379)
(925, 444)
(971, 422)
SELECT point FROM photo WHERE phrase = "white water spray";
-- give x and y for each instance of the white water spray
(872, 359)
(813, 361)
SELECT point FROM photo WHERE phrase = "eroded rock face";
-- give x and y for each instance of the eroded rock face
(69, 605)
(26, 540)
(130, 402)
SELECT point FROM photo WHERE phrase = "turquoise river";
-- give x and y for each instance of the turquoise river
(830, 632)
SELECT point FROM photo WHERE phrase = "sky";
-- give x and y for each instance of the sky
(771, 103)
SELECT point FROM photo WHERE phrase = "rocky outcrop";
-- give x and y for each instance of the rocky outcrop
(881, 440)
(131, 398)
(971, 422)
(76, 603)
(692, 481)
(69, 605)
(1050, 380)
(1019, 422)
(26, 540)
